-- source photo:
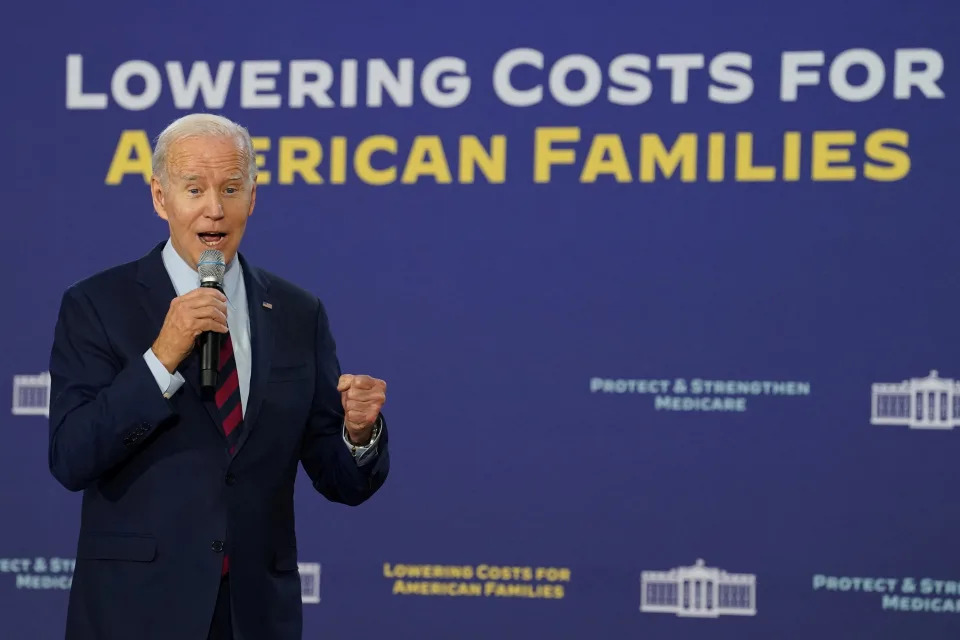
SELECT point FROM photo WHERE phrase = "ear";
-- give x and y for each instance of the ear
(159, 197)
(253, 198)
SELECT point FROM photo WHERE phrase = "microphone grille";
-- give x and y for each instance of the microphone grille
(211, 267)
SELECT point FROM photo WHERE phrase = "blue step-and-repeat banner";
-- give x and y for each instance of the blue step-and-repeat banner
(665, 295)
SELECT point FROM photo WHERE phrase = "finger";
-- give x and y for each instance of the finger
(209, 313)
(365, 395)
(212, 325)
(205, 301)
(207, 292)
(345, 382)
(219, 310)
(200, 297)
(359, 416)
(363, 382)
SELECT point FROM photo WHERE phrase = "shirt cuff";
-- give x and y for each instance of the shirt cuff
(169, 384)
(367, 453)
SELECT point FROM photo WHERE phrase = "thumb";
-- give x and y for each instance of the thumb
(345, 382)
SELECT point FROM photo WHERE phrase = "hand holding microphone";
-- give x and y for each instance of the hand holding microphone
(202, 313)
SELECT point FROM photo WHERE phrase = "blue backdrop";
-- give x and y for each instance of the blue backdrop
(692, 378)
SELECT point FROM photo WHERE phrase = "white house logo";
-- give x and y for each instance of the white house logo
(698, 592)
(31, 395)
(919, 403)
(309, 582)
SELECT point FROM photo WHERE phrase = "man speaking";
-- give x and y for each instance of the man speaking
(182, 412)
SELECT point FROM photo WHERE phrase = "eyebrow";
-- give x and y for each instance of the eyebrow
(189, 177)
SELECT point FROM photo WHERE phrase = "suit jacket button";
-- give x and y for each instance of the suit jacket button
(230, 479)
(217, 545)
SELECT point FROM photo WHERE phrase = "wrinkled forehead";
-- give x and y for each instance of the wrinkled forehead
(206, 157)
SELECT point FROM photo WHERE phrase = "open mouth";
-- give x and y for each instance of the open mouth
(212, 238)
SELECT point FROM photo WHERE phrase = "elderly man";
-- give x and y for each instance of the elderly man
(187, 528)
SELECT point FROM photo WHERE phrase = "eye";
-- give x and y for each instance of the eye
(193, 191)
(231, 189)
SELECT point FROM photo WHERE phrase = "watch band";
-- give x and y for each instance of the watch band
(357, 450)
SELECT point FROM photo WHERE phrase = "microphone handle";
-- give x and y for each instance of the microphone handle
(209, 351)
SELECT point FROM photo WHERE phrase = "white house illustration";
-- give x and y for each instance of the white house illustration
(919, 403)
(31, 395)
(698, 591)
(309, 582)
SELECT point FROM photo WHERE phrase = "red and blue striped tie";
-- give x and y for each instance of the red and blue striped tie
(228, 395)
(229, 405)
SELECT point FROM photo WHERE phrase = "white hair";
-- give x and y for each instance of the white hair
(203, 124)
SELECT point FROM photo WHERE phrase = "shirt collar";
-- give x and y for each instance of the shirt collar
(185, 278)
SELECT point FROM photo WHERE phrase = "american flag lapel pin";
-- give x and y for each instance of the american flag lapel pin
(267, 305)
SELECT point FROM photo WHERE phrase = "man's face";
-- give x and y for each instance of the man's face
(206, 198)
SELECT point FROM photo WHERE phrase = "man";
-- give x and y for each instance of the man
(187, 528)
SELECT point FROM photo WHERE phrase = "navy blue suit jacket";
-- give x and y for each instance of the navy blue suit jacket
(162, 498)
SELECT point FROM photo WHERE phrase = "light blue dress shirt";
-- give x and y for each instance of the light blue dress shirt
(185, 279)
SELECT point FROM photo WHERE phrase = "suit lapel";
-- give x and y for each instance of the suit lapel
(156, 293)
(261, 339)
(156, 289)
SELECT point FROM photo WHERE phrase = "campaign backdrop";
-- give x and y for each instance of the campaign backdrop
(665, 295)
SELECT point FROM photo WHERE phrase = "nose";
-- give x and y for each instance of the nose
(214, 208)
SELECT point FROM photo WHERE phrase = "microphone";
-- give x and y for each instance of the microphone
(211, 269)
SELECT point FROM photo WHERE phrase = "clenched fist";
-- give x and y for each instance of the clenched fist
(203, 309)
(362, 398)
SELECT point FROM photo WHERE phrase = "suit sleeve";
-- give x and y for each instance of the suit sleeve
(101, 409)
(325, 458)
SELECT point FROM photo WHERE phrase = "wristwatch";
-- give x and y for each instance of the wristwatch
(357, 450)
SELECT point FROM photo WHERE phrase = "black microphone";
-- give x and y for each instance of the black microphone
(211, 269)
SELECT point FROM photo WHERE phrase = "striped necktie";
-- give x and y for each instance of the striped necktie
(229, 405)
(228, 395)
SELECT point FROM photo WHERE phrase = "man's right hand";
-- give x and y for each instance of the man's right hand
(203, 309)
